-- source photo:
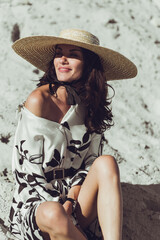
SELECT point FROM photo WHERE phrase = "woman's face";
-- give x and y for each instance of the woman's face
(68, 62)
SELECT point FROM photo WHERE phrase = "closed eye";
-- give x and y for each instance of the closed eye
(74, 55)
(71, 55)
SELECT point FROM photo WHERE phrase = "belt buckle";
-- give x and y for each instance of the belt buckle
(58, 173)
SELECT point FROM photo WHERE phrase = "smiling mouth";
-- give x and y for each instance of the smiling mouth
(64, 69)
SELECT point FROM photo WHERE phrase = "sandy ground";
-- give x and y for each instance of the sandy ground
(130, 27)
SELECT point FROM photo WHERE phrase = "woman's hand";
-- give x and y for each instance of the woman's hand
(73, 193)
(68, 207)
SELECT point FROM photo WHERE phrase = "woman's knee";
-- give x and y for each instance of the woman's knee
(51, 216)
(106, 166)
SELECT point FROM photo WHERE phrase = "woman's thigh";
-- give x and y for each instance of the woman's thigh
(103, 168)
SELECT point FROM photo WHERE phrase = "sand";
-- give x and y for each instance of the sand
(130, 27)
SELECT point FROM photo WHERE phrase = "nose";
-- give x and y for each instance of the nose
(63, 60)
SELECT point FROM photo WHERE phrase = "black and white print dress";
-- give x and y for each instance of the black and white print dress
(40, 146)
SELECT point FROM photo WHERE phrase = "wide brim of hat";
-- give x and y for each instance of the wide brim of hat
(39, 51)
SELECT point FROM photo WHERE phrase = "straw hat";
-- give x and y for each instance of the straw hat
(39, 51)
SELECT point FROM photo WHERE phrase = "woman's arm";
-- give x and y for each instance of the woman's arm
(73, 193)
(94, 151)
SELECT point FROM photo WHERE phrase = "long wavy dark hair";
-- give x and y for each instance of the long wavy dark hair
(93, 90)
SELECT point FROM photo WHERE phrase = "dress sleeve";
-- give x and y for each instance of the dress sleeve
(94, 151)
(27, 161)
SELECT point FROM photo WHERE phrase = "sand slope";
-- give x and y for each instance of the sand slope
(131, 27)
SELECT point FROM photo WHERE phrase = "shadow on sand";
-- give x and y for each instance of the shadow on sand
(141, 205)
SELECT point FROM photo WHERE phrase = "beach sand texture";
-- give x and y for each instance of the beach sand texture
(129, 26)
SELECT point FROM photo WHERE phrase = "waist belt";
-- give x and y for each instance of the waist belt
(59, 173)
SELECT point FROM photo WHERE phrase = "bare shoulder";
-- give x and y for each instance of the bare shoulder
(37, 100)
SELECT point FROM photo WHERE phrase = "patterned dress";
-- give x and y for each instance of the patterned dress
(40, 146)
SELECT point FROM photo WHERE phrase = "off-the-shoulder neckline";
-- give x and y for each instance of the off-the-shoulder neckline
(65, 117)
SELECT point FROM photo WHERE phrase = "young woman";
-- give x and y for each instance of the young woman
(65, 188)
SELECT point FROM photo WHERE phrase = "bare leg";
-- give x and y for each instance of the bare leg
(101, 193)
(54, 223)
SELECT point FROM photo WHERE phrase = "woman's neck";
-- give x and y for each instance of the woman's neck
(72, 90)
(61, 94)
